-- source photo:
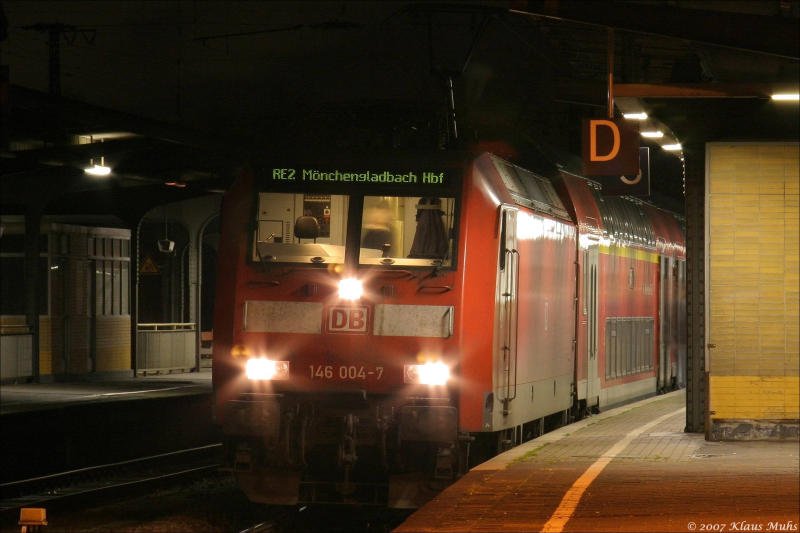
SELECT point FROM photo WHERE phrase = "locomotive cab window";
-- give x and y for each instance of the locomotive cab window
(300, 228)
(407, 231)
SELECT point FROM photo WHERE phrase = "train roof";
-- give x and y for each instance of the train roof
(529, 189)
(622, 219)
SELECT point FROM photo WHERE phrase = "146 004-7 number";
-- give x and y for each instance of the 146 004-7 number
(350, 372)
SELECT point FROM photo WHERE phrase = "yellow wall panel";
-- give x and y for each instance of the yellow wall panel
(113, 334)
(754, 397)
(753, 269)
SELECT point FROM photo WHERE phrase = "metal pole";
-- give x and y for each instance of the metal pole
(136, 248)
(54, 48)
(452, 108)
(610, 72)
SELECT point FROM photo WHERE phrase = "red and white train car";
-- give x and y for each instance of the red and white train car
(382, 323)
(630, 315)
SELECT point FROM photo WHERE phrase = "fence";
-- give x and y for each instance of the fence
(166, 347)
(16, 354)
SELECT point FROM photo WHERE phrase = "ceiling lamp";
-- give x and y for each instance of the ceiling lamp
(98, 170)
(672, 147)
(652, 134)
(786, 97)
(635, 116)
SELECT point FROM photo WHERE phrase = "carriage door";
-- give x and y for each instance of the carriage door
(590, 284)
(665, 314)
(507, 302)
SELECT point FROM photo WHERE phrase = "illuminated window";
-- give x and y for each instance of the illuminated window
(407, 230)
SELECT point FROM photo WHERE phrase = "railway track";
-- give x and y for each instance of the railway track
(96, 481)
(193, 493)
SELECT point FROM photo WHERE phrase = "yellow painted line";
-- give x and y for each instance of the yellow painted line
(573, 496)
(629, 252)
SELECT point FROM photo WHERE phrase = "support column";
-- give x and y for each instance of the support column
(33, 221)
(194, 288)
(696, 371)
(133, 298)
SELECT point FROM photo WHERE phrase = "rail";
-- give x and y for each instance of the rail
(108, 477)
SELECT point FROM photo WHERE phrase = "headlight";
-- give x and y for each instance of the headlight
(263, 369)
(350, 289)
(427, 374)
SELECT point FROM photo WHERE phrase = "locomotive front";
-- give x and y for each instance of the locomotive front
(335, 352)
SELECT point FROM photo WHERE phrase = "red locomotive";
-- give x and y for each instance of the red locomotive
(381, 324)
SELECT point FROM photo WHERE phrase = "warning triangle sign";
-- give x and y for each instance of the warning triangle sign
(148, 266)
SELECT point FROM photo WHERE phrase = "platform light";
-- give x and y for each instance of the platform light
(350, 289)
(676, 147)
(635, 116)
(786, 97)
(430, 373)
(652, 134)
(263, 369)
(95, 169)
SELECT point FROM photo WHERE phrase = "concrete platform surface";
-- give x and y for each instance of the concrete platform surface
(26, 397)
(628, 469)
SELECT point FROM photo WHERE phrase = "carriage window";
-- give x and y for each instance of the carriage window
(408, 231)
(300, 228)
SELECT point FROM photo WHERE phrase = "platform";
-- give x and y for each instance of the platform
(628, 469)
(16, 398)
(62, 426)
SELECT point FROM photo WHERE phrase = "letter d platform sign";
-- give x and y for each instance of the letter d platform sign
(610, 148)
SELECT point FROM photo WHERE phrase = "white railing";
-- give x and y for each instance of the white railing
(166, 347)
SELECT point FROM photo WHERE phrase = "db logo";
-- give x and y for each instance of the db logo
(348, 319)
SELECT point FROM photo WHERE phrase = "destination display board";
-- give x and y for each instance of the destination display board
(353, 180)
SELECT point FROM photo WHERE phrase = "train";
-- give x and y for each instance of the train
(385, 322)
